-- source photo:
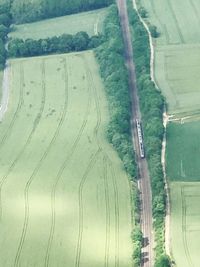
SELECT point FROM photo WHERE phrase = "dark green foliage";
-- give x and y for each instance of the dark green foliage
(81, 41)
(110, 56)
(62, 44)
(151, 104)
(154, 31)
(28, 11)
(3, 32)
(143, 12)
(114, 74)
(163, 261)
(5, 20)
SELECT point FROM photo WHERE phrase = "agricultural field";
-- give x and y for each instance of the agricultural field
(177, 52)
(91, 22)
(177, 68)
(183, 150)
(64, 196)
(185, 217)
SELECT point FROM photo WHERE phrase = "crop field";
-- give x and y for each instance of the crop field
(177, 52)
(91, 22)
(64, 197)
(177, 68)
(185, 228)
(183, 151)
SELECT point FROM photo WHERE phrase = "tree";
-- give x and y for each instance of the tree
(5, 19)
(143, 12)
(81, 41)
(154, 32)
(3, 31)
(163, 261)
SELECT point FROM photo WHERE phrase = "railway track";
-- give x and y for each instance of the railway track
(144, 179)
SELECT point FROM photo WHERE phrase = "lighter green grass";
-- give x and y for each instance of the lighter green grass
(183, 151)
(65, 199)
(185, 228)
(177, 52)
(91, 22)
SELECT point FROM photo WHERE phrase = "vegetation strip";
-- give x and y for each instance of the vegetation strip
(152, 105)
(63, 44)
(111, 59)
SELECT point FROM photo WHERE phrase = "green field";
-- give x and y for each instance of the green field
(177, 52)
(185, 227)
(64, 197)
(183, 151)
(91, 22)
(177, 69)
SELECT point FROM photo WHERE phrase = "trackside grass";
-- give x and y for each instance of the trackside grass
(91, 22)
(185, 228)
(64, 197)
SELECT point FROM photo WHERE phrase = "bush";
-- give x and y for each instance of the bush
(153, 30)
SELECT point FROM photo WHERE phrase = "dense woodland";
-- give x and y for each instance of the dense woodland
(151, 104)
(28, 11)
(5, 21)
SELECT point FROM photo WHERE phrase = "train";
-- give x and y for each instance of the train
(140, 139)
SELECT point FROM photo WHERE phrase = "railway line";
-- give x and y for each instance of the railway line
(144, 179)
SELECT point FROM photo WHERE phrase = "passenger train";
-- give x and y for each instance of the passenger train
(140, 139)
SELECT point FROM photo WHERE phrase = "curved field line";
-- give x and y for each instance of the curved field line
(187, 253)
(20, 102)
(116, 212)
(35, 125)
(82, 183)
(176, 21)
(31, 178)
(107, 202)
(115, 188)
(59, 175)
(93, 88)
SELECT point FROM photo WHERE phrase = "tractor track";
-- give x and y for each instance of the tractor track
(184, 230)
(80, 203)
(35, 171)
(107, 159)
(107, 201)
(59, 175)
(35, 125)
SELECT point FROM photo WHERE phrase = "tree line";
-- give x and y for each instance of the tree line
(61, 44)
(27, 10)
(110, 56)
(5, 21)
(151, 104)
